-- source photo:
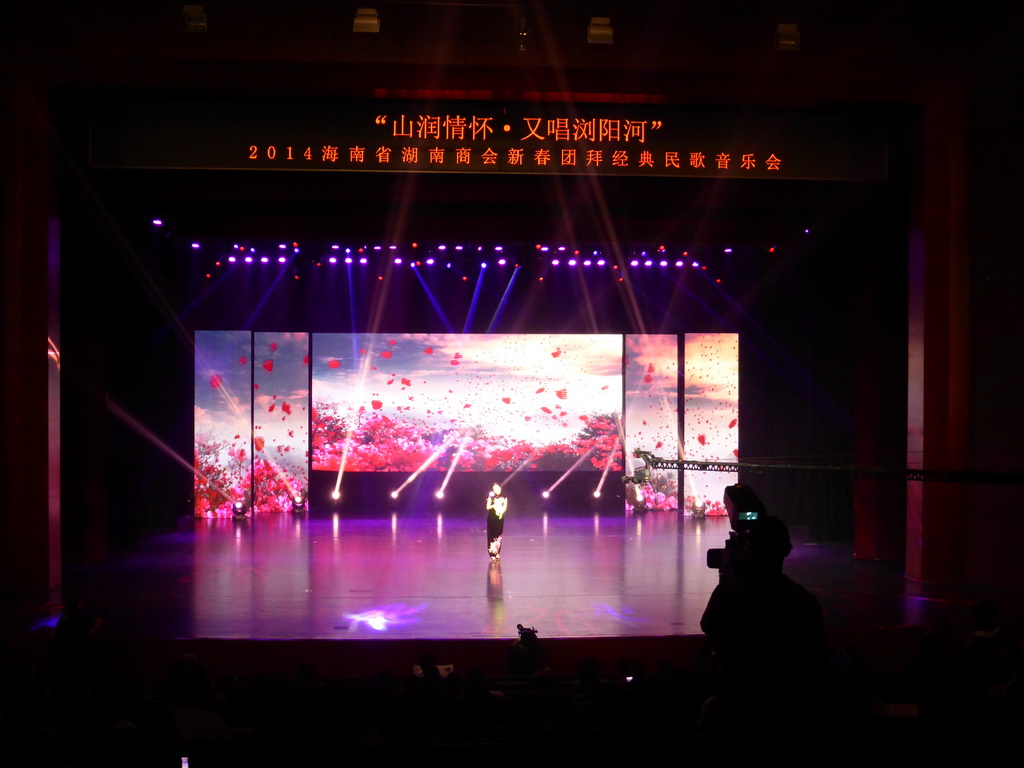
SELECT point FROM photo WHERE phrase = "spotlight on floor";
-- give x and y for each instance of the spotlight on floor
(394, 494)
(298, 504)
(335, 495)
(439, 494)
(545, 494)
(597, 494)
(238, 510)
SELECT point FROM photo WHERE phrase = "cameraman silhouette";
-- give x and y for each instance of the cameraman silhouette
(766, 631)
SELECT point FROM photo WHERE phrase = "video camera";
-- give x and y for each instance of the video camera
(745, 509)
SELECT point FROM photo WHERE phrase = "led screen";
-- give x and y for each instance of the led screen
(280, 419)
(711, 416)
(652, 413)
(223, 421)
(483, 402)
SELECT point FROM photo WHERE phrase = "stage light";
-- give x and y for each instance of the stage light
(298, 504)
(498, 248)
(600, 262)
(586, 262)
(362, 260)
(572, 262)
(348, 259)
(545, 494)
(772, 249)
(248, 259)
(282, 246)
(281, 259)
(679, 263)
(458, 247)
(439, 494)
(555, 262)
(501, 262)
(394, 494)
(429, 262)
(561, 248)
(158, 222)
(392, 247)
(599, 31)
(728, 250)
(335, 495)
(195, 245)
(648, 263)
(332, 260)
(663, 263)
(238, 510)
(335, 247)
(398, 261)
(597, 494)
(232, 259)
(483, 265)
(442, 247)
(634, 263)
(787, 37)
(376, 247)
(264, 259)
(366, 21)
(695, 264)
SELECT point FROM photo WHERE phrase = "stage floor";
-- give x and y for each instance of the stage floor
(428, 576)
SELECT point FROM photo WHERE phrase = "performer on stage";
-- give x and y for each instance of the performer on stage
(496, 507)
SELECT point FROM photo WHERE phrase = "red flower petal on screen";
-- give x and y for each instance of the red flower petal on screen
(539, 391)
(604, 387)
(467, 405)
(648, 379)
(702, 439)
(562, 394)
(557, 353)
(659, 444)
(332, 363)
(237, 436)
(377, 405)
(271, 408)
(406, 382)
(391, 342)
(428, 351)
(215, 381)
(242, 360)
(545, 409)
(454, 362)
(506, 400)
(268, 365)
(255, 386)
(736, 452)
(306, 360)
(373, 367)
(273, 346)
(362, 351)
(584, 417)
(386, 354)
(528, 417)
(650, 368)
(391, 381)
(258, 442)
(286, 407)
(458, 355)
(732, 423)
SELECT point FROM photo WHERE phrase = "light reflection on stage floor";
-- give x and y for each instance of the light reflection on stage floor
(422, 575)
(430, 577)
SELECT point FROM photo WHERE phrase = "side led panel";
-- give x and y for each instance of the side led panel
(652, 414)
(223, 421)
(280, 419)
(711, 416)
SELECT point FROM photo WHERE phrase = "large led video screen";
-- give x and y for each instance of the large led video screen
(483, 402)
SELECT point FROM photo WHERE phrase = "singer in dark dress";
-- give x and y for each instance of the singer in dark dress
(496, 508)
